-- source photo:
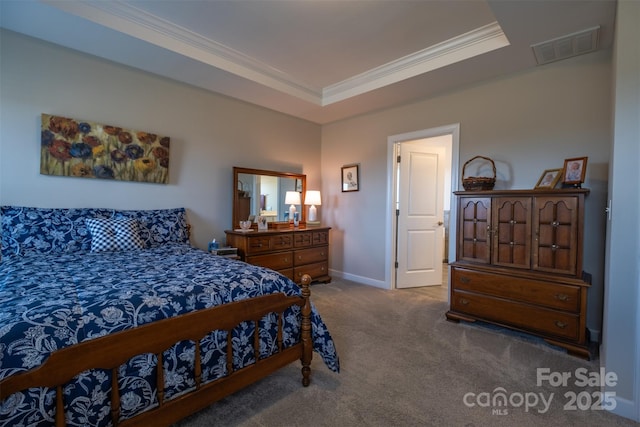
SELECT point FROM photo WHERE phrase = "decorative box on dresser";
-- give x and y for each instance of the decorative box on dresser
(519, 263)
(292, 252)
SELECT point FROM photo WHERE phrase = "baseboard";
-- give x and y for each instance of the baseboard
(594, 335)
(626, 408)
(359, 279)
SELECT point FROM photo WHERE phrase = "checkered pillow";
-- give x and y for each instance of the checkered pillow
(114, 234)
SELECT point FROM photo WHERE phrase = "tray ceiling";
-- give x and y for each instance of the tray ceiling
(320, 60)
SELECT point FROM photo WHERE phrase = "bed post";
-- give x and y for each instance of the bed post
(305, 327)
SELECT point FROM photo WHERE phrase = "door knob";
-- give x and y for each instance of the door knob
(440, 222)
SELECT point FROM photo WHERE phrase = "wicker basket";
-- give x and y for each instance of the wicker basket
(475, 183)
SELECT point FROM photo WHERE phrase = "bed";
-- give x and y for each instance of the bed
(110, 317)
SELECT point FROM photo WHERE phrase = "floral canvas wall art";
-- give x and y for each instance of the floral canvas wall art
(71, 147)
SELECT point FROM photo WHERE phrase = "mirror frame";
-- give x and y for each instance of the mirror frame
(276, 224)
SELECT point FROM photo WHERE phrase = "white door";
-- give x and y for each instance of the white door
(420, 229)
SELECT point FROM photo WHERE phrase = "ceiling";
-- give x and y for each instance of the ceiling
(319, 60)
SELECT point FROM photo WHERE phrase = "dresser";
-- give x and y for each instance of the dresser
(292, 252)
(519, 263)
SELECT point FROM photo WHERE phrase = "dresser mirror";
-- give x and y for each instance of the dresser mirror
(262, 193)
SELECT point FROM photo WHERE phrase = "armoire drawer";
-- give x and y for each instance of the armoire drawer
(309, 256)
(276, 261)
(528, 317)
(547, 294)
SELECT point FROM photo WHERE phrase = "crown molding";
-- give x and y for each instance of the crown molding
(456, 49)
(132, 21)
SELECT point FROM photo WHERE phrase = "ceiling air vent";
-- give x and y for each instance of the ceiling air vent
(566, 46)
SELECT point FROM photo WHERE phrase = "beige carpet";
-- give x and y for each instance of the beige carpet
(403, 364)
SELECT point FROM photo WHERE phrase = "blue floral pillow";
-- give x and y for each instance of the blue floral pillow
(160, 226)
(28, 230)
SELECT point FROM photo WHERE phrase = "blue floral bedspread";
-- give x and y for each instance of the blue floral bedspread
(49, 301)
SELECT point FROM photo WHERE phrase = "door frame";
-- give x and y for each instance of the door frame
(392, 173)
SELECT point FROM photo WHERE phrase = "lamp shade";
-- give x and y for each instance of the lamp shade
(312, 197)
(292, 198)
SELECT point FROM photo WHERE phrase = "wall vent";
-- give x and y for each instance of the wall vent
(566, 46)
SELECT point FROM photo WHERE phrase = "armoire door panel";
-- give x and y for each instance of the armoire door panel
(475, 223)
(512, 240)
(556, 243)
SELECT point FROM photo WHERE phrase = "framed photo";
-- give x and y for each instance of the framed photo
(350, 178)
(262, 223)
(549, 179)
(574, 170)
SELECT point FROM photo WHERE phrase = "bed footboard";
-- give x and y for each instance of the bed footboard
(111, 351)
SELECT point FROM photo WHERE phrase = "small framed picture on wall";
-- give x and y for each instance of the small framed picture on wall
(350, 178)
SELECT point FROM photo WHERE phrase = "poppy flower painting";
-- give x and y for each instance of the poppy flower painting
(71, 147)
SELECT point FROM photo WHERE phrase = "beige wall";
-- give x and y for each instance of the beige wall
(526, 123)
(209, 134)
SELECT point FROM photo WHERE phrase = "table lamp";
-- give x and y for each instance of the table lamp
(292, 198)
(312, 198)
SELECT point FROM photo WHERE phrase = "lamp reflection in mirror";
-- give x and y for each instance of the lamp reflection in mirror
(313, 199)
(292, 198)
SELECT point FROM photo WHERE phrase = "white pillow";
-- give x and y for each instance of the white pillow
(114, 234)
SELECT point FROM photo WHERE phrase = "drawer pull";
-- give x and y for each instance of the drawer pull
(464, 301)
(465, 280)
(513, 221)
(512, 243)
(562, 297)
(555, 224)
(560, 324)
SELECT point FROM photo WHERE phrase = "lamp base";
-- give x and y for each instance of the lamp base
(292, 212)
(313, 223)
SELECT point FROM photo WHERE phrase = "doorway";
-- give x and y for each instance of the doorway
(420, 194)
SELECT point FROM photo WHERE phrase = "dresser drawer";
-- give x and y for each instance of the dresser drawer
(548, 322)
(311, 238)
(303, 239)
(320, 238)
(316, 270)
(277, 261)
(258, 244)
(308, 256)
(547, 294)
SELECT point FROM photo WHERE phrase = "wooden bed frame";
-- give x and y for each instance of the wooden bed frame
(111, 351)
